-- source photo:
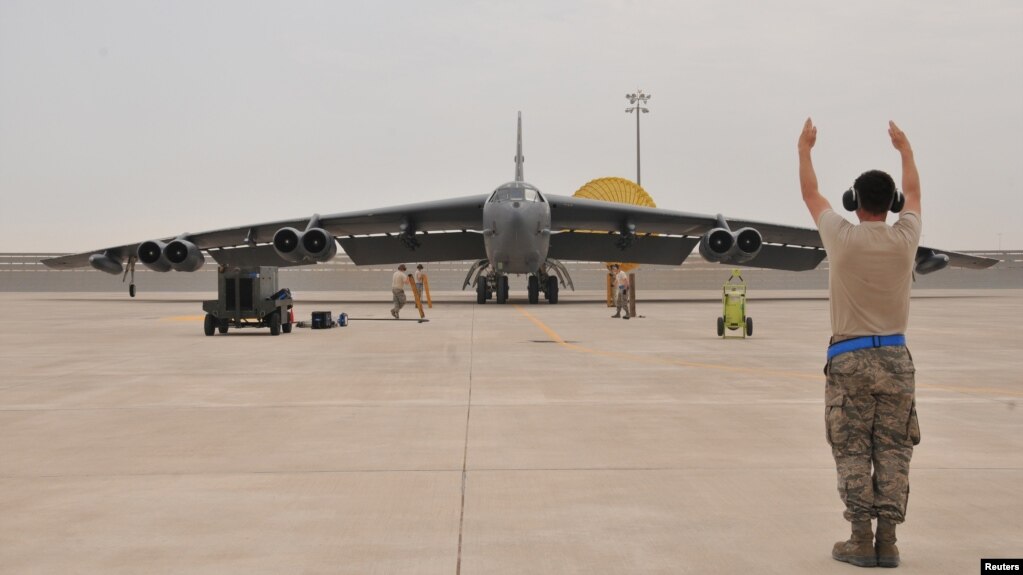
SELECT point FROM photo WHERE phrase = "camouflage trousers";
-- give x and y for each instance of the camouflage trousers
(399, 299)
(871, 423)
(622, 300)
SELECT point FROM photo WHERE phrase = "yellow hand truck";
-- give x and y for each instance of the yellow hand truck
(733, 298)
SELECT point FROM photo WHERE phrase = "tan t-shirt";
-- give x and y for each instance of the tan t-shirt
(398, 280)
(871, 273)
(622, 279)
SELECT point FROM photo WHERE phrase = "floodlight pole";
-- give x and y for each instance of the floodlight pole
(637, 99)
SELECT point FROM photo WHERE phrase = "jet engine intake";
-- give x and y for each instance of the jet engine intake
(287, 244)
(319, 245)
(716, 245)
(748, 242)
(721, 245)
(152, 255)
(184, 256)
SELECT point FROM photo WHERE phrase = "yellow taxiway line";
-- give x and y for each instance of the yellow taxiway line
(735, 369)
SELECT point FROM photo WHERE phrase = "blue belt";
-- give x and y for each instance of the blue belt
(864, 342)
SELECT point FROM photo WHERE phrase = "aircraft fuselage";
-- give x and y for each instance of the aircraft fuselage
(516, 228)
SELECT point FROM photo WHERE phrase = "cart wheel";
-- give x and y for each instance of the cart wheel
(749, 326)
(209, 324)
(286, 328)
(275, 324)
(222, 326)
(721, 326)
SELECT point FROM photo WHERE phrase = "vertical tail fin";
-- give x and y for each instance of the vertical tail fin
(519, 160)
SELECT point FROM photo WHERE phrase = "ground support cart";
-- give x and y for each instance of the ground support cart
(248, 297)
(734, 300)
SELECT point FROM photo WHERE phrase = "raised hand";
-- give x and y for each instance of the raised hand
(899, 139)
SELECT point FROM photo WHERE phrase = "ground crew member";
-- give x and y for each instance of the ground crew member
(419, 279)
(398, 290)
(870, 409)
(621, 291)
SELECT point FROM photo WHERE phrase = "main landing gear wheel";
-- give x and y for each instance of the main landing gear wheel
(502, 289)
(209, 325)
(533, 288)
(481, 290)
(552, 289)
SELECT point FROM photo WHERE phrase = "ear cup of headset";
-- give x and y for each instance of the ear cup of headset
(898, 202)
(849, 201)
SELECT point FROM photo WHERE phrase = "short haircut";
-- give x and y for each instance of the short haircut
(875, 191)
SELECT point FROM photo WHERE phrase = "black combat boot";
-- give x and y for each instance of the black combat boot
(887, 552)
(859, 549)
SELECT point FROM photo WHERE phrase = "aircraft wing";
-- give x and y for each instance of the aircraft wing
(667, 236)
(373, 236)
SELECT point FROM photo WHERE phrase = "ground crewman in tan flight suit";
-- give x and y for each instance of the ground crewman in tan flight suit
(620, 284)
(398, 291)
(870, 408)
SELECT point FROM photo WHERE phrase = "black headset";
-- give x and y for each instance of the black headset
(851, 202)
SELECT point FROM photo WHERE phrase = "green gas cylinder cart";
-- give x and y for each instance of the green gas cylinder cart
(733, 298)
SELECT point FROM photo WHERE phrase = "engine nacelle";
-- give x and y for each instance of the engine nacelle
(312, 245)
(724, 246)
(716, 244)
(184, 256)
(105, 263)
(319, 245)
(930, 262)
(288, 244)
(748, 242)
(151, 254)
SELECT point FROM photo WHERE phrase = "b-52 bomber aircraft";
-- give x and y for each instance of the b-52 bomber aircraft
(514, 230)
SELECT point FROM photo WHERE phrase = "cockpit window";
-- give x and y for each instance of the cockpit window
(516, 193)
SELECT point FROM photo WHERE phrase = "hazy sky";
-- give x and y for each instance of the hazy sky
(122, 121)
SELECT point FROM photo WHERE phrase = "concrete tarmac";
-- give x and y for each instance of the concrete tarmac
(492, 439)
